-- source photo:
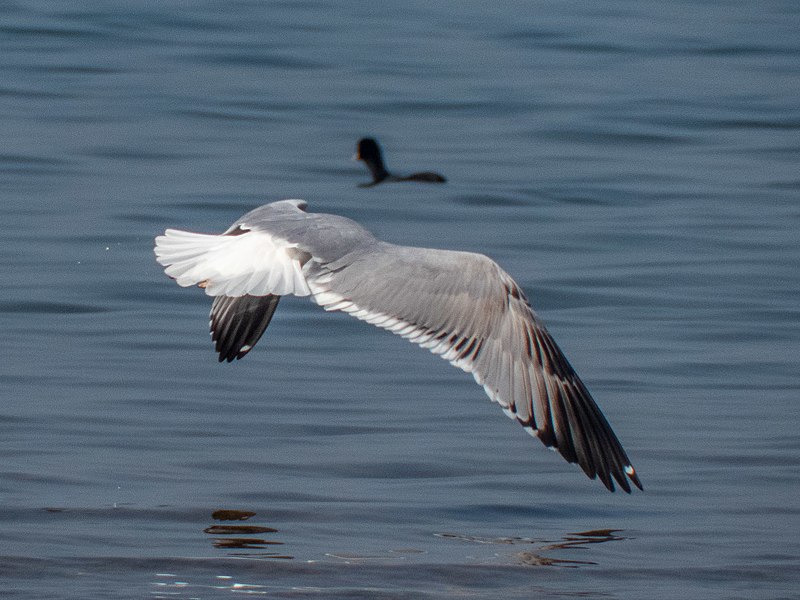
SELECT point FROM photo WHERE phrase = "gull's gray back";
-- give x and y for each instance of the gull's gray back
(327, 238)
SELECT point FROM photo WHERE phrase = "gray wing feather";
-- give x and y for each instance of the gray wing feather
(464, 307)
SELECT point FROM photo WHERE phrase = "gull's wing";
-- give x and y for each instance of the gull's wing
(465, 308)
(252, 264)
(237, 323)
(246, 270)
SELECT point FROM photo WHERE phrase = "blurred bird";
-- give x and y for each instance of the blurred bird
(369, 152)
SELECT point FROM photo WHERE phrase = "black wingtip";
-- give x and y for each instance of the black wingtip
(231, 354)
(237, 323)
(622, 480)
(631, 473)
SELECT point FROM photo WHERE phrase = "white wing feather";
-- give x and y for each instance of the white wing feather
(253, 263)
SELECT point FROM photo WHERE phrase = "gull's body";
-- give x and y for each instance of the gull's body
(460, 305)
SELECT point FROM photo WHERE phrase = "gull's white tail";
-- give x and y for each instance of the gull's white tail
(252, 262)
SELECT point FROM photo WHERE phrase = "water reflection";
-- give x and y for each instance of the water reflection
(241, 537)
(536, 557)
(388, 555)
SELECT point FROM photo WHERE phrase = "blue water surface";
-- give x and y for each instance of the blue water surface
(634, 165)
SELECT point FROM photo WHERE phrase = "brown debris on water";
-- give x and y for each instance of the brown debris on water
(246, 543)
(238, 529)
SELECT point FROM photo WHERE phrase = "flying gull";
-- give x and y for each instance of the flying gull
(459, 305)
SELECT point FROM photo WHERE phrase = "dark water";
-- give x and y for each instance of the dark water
(633, 165)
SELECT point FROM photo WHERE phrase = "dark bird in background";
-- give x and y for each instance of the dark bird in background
(369, 151)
